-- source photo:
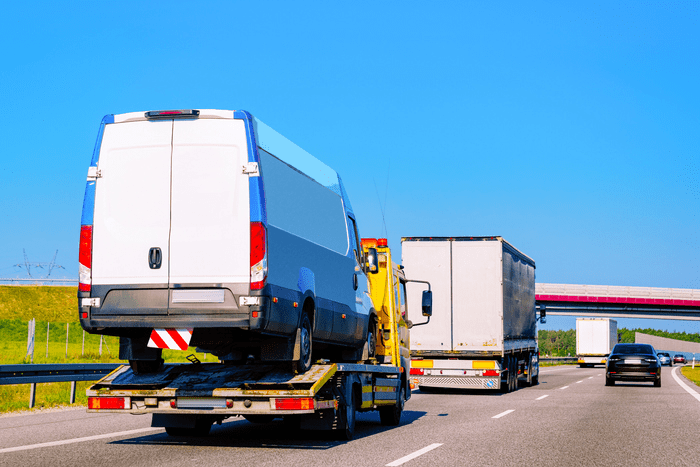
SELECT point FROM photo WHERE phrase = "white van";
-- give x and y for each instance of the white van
(210, 223)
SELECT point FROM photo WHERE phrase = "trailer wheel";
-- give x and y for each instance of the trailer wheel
(304, 363)
(348, 432)
(391, 416)
(513, 373)
(505, 385)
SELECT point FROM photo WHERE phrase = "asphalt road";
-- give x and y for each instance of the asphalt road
(569, 419)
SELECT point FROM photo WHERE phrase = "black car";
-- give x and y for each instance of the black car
(633, 362)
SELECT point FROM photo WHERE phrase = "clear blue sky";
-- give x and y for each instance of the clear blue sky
(568, 128)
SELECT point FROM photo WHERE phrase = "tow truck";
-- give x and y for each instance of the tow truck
(188, 398)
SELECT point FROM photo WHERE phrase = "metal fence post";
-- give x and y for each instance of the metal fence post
(83, 342)
(67, 327)
(32, 395)
(31, 327)
(47, 340)
(72, 392)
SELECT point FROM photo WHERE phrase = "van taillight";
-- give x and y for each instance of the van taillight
(85, 258)
(258, 255)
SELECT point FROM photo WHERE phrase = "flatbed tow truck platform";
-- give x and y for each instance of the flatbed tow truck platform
(188, 398)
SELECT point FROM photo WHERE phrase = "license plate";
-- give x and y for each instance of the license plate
(634, 361)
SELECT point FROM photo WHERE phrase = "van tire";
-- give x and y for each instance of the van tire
(142, 367)
(305, 345)
(372, 338)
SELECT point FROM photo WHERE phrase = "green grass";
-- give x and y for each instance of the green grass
(57, 307)
(692, 374)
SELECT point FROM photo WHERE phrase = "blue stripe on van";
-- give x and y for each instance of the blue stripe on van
(258, 211)
(88, 204)
(88, 213)
(96, 152)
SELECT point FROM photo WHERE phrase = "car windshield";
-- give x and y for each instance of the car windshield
(630, 349)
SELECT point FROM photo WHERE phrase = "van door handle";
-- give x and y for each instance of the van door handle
(155, 257)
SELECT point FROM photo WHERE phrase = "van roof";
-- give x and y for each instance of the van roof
(272, 142)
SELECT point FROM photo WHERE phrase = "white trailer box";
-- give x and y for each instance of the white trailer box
(483, 327)
(595, 339)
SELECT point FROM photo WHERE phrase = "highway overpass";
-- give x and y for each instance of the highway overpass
(618, 301)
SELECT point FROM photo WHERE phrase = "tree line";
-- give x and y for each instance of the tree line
(563, 343)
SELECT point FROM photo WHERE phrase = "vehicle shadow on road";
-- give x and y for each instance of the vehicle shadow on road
(276, 434)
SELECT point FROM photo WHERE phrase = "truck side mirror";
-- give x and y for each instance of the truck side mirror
(372, 261)
(427, 303)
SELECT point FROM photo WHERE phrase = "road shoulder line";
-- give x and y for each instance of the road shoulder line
(688, 389)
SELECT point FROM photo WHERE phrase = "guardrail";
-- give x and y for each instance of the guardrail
(54, 373)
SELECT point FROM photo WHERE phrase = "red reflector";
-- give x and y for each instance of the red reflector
(106, 402)
(296, 403)
(258, 255)
(85, 258)
(84, 315)
(490, 373)
(416, 371)
(255, 314)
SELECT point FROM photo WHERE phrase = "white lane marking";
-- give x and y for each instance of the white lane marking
(553, 370)
(590, 377)
(579, 381)
(78, 440)
(414, 455)
(690, 391)
(502, 414)
(564, 387)
(542, 397)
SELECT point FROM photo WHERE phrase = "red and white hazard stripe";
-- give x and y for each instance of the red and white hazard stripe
(174, 339)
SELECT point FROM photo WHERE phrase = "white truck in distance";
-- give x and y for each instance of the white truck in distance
(595, 339)
(483, 329)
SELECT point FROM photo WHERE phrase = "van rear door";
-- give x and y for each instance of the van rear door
(210, 213)
(132, 212)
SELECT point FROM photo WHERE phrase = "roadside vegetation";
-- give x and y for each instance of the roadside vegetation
(693, 374)
(563, 343)
(55, 310)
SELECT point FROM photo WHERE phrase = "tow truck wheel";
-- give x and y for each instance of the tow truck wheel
(391, 416)
(304, 363)
(348, 432)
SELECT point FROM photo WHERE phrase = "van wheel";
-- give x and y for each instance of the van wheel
(304, 363)
(141, 367)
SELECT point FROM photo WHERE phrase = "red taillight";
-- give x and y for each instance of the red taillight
(490, 373)
(416, 371)
(295, 403)
(258, 255)
(109, 403)
(85, 258)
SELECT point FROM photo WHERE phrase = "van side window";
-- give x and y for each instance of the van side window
(352, 229)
